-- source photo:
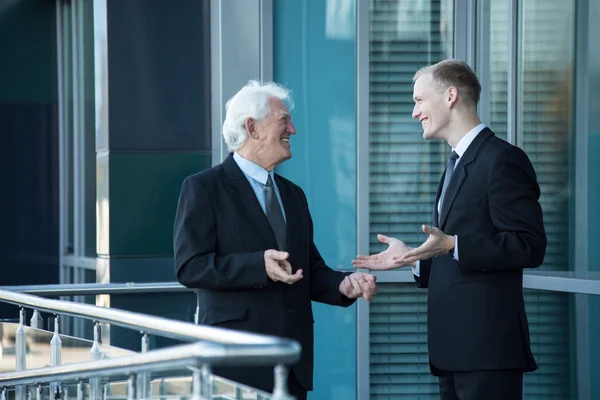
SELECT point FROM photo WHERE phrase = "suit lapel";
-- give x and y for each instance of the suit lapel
(460, 174)
(437, 199)
(243, 193)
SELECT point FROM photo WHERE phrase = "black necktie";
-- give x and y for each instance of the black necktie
(447, 177)
(274, 215)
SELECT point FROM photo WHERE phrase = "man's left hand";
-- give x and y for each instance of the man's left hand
(358, 285)
(437, 243)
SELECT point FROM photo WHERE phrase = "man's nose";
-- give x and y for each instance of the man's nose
(416, 111)
(291, 129)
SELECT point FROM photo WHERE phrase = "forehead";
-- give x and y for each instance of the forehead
(423, 85)
(278, 107)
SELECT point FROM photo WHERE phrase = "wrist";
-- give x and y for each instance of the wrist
(450, 243)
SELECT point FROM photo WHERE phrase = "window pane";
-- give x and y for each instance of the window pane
(546, 113)
(405, 172)
(553, 345)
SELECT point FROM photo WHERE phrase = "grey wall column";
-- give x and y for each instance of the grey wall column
(362, 189)
(241, 43)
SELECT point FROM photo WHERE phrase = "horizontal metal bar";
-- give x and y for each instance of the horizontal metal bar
(403, 275)
(90, 289)
(557, 281)
(146, 323)
(189, 355)
(561, 284)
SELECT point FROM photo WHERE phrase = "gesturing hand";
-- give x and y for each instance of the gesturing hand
(386, 259)
(437, 243)
(359, 284)
(278, 267)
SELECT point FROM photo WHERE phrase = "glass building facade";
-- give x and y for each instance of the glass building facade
(109, 104)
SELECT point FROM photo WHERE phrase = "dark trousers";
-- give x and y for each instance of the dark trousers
(482, 385)
(295, 388)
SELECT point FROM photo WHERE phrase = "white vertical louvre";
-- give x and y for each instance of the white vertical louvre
(405, 171)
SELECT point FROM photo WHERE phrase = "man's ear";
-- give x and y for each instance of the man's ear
(250, 125)
(451, 96)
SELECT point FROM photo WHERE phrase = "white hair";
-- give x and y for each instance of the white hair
(252, 101)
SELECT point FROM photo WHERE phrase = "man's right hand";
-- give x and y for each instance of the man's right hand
(387, 259)
(279, 269)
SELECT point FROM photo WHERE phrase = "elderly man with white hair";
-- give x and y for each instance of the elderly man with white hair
(243, 237)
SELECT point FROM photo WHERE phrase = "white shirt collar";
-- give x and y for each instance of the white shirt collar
(253, 170)
(466, 140)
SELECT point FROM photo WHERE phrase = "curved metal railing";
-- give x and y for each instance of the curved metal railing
(217, 346)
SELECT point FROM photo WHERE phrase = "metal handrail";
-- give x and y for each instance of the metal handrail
(146, 323)
(90, 289)
(188, 355)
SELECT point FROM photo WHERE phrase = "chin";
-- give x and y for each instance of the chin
(427, 135)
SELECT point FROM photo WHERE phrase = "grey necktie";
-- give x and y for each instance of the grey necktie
(274, 215)
(447, 177)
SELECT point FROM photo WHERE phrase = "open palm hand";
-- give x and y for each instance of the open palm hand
(386, 259)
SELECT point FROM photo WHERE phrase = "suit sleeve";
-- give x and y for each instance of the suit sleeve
(324, 282)
(423, 279)
(197, 265)
(520, 239)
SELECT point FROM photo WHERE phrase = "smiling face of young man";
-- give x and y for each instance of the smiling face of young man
(268, 143)
(432, 107)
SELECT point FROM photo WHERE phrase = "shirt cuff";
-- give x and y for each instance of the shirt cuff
(416, 270)
(455, 247)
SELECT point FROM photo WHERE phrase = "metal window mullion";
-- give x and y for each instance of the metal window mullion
(483, 60)
(512, 135)
(583, 19)
(82, 133)
(266, 40)
(218, 149)
(62, 140)
(362, 189)
(465, 27)
(77, 134)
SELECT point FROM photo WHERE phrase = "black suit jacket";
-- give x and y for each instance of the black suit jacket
(220, 236)
(476, 313)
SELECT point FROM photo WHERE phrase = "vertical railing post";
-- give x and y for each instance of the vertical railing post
(80, 391)
(144, 390)
(55, 356)
(196, 384)
(21, 352)
(36, 322)
(131, 388)
(96, 354)
(162, 389)
(38, 393)
(280, 391)
(206, 383)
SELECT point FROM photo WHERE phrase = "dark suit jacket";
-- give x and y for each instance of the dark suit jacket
(220, 236)
(476, 313)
